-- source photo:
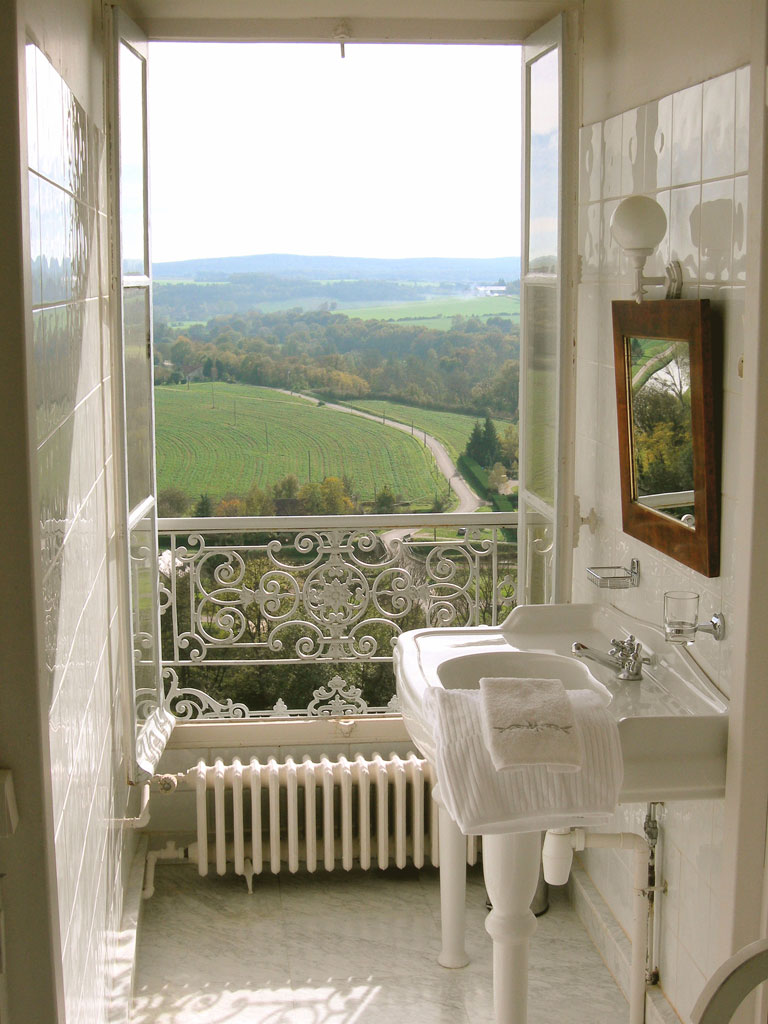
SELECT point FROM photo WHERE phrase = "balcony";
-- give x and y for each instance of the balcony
(280, 618)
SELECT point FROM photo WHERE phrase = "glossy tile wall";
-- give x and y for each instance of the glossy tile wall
(689, 150)
(72, 387)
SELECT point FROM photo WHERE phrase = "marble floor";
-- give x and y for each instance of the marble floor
(345, 948)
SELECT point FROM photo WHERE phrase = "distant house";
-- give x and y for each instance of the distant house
(491, 289)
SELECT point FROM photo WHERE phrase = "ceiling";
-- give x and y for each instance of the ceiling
(361, 20)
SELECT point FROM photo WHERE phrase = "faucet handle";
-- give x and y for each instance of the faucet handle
(626, 647)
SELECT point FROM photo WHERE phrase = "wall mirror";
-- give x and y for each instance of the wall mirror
(669, 400)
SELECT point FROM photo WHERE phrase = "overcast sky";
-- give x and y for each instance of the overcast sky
(394, 151)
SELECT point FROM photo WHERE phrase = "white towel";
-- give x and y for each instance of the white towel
(530, 721)
(483, 801)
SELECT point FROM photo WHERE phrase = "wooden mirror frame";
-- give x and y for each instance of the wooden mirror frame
(686, 320)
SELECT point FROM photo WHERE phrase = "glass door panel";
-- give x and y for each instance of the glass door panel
(141, 621)
(545, 350)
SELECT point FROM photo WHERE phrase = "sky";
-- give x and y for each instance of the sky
(394, 151)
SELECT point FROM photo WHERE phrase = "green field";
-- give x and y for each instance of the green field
(437, 313)
(452, 428)
(258, 435)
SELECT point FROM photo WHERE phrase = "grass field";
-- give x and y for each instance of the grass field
(452, 428)
(258, 435)
(437, 313)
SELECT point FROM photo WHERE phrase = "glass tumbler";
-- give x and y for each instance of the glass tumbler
(681, 615)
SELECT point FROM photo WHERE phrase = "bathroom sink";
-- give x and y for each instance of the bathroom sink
(673, 723)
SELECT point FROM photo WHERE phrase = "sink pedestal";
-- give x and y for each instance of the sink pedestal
(453, 884)
(511, 872)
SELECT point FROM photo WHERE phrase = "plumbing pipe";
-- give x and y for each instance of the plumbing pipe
(559, 845)
(143, 818)
(169, 852)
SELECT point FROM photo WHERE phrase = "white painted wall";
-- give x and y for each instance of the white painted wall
(639, 51)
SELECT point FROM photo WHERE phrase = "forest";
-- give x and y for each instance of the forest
(472, 367)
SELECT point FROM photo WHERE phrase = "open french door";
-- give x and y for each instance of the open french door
(133, 383)
(547, 296)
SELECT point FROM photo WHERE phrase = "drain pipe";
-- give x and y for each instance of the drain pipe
(143, 819)
(557, 856)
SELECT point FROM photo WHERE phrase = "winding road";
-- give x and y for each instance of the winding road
(468, 500)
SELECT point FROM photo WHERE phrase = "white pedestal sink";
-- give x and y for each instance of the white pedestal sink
(672, 726)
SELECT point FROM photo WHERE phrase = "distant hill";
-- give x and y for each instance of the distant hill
(351, 268)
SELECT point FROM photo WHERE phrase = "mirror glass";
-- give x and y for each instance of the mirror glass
(661, 425)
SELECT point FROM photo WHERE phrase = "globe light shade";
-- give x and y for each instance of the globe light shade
(638, 223)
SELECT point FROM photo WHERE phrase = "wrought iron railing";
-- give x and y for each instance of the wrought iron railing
(264, 617)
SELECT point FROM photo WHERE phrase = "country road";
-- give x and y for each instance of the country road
(468, 500)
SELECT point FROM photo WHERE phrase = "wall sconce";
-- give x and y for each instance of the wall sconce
(638, 224)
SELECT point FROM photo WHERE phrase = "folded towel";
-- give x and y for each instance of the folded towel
(483, 801)
(530, 721)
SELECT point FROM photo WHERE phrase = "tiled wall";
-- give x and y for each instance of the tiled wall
(72, 386)
(689, 150)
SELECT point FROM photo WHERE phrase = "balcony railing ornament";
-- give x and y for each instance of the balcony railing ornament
(337, 698)
(284, 594)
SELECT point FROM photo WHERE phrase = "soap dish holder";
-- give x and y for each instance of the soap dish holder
(614, 577)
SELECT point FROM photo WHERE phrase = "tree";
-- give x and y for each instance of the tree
(510, 443)
(334, 497)
(475, 446)
(385, 501)
(172, 502)
(491, 444)
(497, 477)
(204, 507)
(230, 507)
(260, 502)
(285, 494)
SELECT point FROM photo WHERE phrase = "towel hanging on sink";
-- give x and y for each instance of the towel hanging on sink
(483, 801)
(530, 721)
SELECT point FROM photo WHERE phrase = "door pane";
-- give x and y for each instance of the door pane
(132, 179)
(138, 394)
(144, 614)
(543, 192)
(541, 339)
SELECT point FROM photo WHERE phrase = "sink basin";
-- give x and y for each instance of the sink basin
(467, 669)
(673, 723)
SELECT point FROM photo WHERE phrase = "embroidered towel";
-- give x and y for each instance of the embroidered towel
(483, 801)
(530, 721)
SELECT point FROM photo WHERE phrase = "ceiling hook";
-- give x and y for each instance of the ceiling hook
(342, 35)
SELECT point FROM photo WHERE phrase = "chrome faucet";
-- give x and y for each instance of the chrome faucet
(624, 656)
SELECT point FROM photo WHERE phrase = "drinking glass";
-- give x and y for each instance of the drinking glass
(681, 615)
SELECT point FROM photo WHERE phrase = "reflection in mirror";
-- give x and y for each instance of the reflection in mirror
(662, 438)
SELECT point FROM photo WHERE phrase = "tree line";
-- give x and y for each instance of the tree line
(472, 367)
(333, 496)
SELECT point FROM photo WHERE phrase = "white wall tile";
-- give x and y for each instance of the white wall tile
(74, 431)
(715, 230)
(718, 127)
(685, 229)
(590, 162)
(633, 151)
(686, 135)
(741, 131)
(612, 158)
(657, 163)
(739, 267)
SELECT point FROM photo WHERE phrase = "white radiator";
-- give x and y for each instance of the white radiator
(278, 814)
